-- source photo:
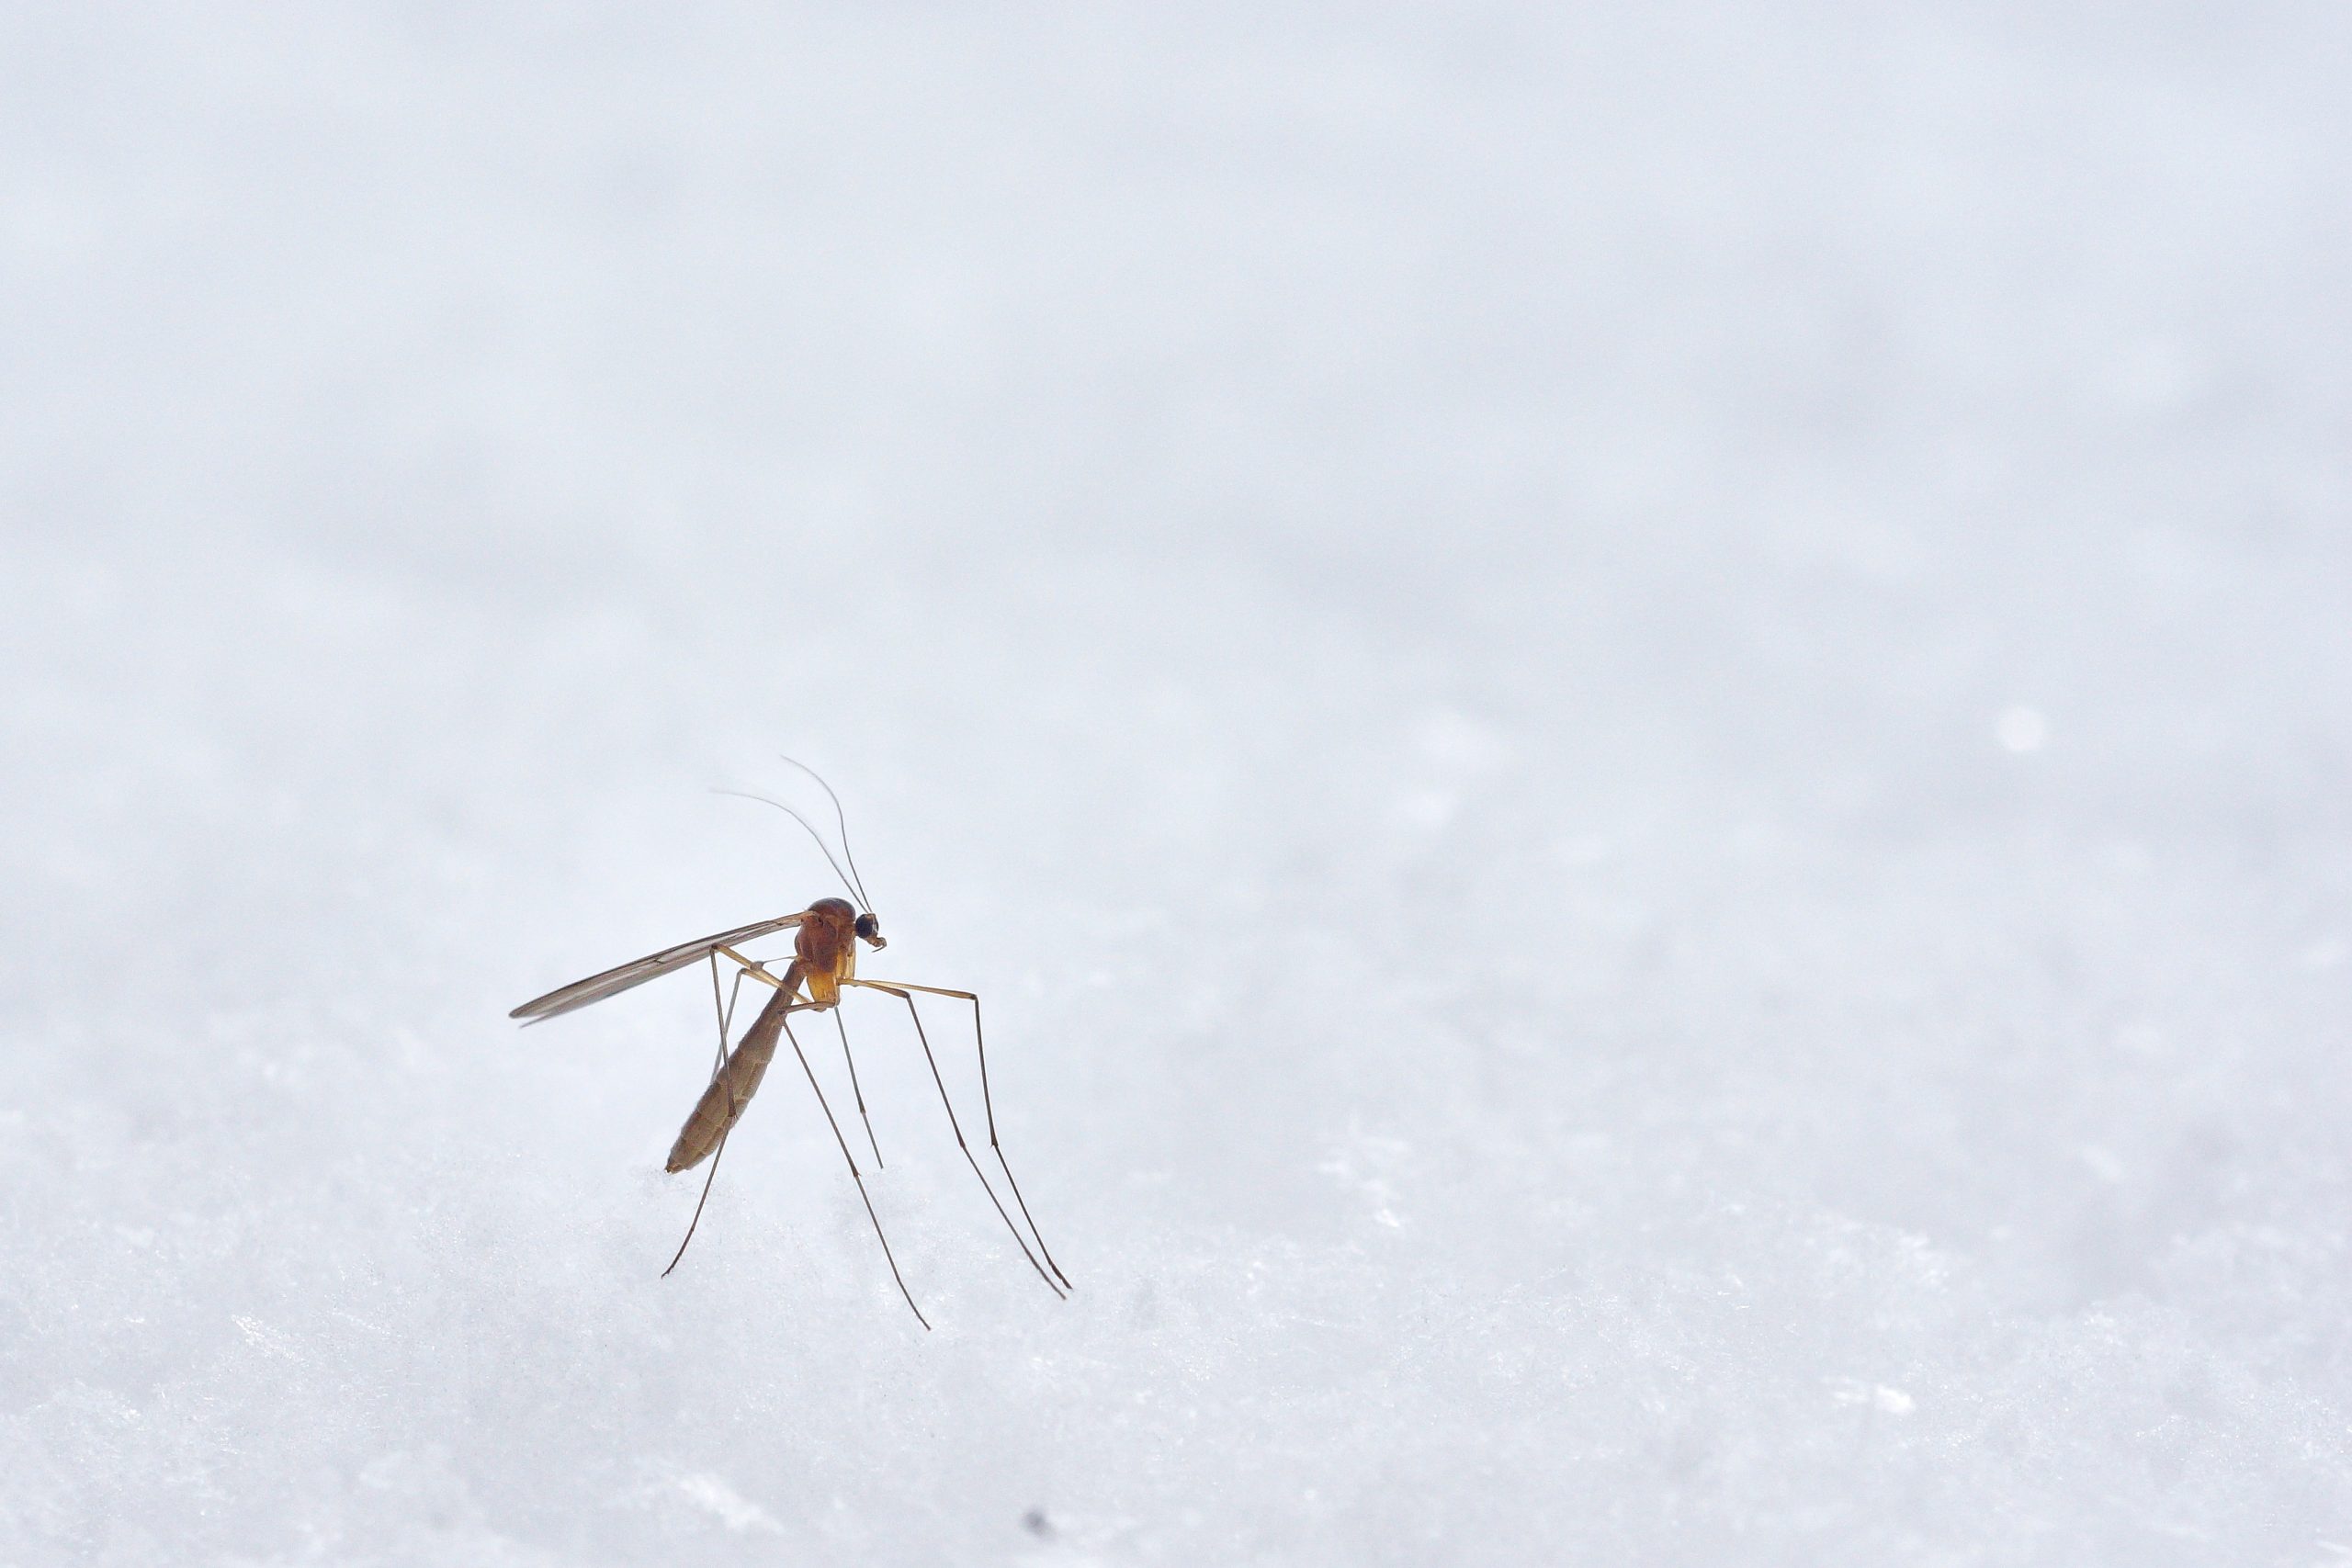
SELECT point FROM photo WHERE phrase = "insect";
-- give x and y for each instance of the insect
(824, 963)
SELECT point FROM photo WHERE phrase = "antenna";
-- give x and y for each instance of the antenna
(841, 820)
(828, 853)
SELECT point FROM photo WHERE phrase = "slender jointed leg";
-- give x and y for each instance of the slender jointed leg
(854, 1176)
(961, 1147)
(715, 1155)
(725, 1015)
(751, 967)
(854, 1090)
(981, 1040)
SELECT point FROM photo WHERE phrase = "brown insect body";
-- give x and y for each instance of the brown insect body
(722, 1104)
(825, 954)
(825, 939)
(823, 949)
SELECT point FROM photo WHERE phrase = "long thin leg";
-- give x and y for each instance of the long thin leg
(854, 1176)
(754, 969)
(961, 1147)
(726, 1016)
(980, 1039)
(854, 1090)
(715, 1155)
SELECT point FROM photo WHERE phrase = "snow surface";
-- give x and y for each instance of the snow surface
(1639, 717)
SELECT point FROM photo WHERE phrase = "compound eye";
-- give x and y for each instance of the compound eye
(868, 927)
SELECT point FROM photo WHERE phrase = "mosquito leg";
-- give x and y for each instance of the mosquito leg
(726, 1016)
(756, 970)
(981, 1040)
(961, 1147)
(715, 1155)
(854, 1090)
(752, 969)
(854, 1176)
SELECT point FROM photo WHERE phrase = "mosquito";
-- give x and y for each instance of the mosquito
(824, 963)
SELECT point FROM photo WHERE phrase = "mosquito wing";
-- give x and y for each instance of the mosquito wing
(613, 982)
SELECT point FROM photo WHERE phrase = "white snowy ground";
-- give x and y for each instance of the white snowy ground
(1639, 717)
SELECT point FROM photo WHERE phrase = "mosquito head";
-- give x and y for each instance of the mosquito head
(836, 911)
(840, 912)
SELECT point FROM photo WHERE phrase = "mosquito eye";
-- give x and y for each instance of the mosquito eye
(868, 927)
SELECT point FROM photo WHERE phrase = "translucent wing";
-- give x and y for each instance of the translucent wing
(613, 982)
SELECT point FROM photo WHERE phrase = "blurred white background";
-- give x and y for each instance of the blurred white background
(1639, 716)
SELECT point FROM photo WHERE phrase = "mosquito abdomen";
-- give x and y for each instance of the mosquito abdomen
(731, 1091)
